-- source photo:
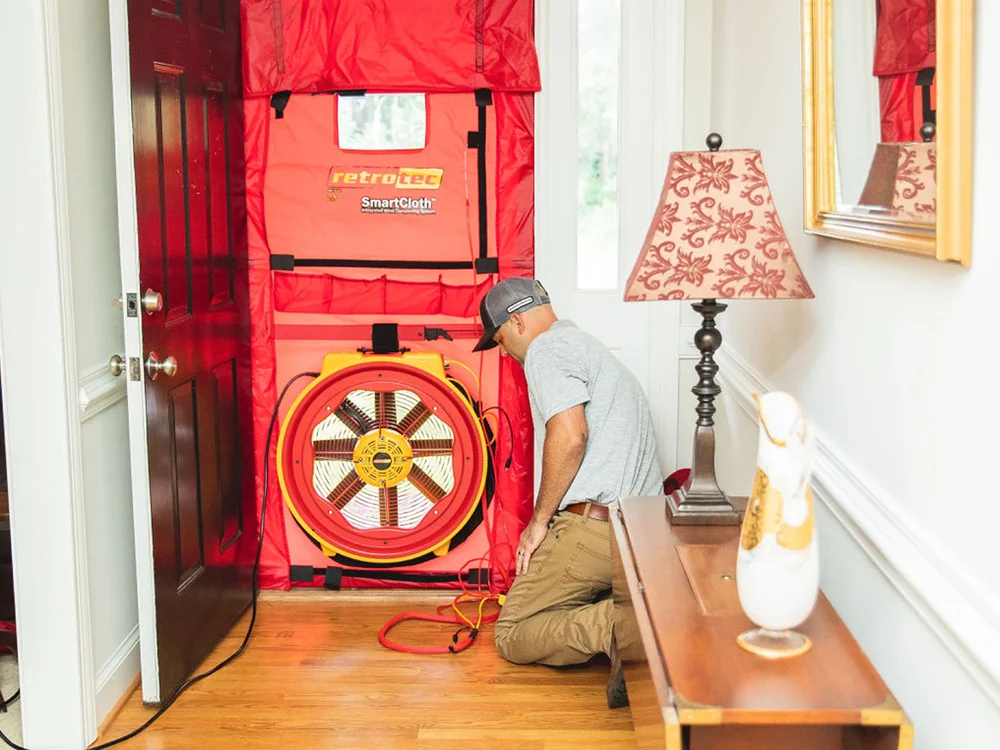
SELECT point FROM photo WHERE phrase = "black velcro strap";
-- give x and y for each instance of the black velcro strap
(475, 139)
(484, 98)
(339, 92)
(279, 101)
(332, 578)
(282, 262)
(487, 265)
(479, 575)
(385, 338)
(300, 573)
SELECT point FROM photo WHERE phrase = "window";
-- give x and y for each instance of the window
(382, 122)
(599, 31)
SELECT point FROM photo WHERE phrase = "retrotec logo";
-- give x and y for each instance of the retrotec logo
(340, 179)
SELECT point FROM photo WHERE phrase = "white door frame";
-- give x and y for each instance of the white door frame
(651, 102)
(40, 384)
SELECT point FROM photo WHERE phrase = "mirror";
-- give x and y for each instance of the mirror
(887, 95)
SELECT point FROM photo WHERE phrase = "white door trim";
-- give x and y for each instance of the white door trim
(128, 232)
(41, 397)
(651, 105)
(667, 91)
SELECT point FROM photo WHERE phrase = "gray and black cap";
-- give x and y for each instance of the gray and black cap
(506, 298)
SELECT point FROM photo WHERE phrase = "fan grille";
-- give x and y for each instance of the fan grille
(382, 459)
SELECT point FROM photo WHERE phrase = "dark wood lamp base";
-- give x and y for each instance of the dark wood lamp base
(702, 501)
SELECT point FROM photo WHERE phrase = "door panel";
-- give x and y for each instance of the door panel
(187, 149)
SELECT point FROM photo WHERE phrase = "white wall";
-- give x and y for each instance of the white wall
(894, 361)
(85, 62)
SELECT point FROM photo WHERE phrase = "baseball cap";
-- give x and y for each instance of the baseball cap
(507, 297)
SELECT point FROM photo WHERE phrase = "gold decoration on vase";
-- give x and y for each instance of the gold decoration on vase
(763, 516)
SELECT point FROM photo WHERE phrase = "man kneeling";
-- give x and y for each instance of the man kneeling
(593, 421)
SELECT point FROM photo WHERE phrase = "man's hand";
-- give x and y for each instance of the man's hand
(531, 537)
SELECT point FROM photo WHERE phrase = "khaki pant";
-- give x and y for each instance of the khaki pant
(559, 612)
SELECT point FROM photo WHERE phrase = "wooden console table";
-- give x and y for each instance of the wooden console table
(691, 687)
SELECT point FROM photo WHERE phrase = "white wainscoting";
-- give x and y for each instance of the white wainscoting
(947, 595)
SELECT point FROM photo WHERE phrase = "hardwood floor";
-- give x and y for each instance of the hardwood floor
(315, 676)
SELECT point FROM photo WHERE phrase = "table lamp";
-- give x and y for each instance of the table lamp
(902, 179)
(715, 235)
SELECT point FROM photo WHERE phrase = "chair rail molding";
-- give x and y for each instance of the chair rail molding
(99, 390)
(945, 593)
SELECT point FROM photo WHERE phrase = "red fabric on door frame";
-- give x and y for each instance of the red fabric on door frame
(417, 45)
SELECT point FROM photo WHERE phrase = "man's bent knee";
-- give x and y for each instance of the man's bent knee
(503, 637)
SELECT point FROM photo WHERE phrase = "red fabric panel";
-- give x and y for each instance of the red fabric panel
(512, 231)
(316, 192)
(902, 107)
(896, 103)
(273, 573)
(331, 294)
(407, 45)
(516, 250)
(905, 38)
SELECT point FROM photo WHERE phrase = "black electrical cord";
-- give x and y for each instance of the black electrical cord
(253, 600)
(14, 697)
(510, 430)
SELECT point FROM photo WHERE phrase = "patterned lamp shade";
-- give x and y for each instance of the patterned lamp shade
(902, 181)
(716, 235)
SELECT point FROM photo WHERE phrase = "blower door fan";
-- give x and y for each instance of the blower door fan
(380, 459)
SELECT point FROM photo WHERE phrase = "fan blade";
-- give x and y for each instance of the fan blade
(347, 490)
(427, 486)
(385, 409)
(354, 418)
(415, 419)
(426, 448)
(388, 506)
(337, 449)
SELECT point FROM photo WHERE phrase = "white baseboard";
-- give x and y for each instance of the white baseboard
(945, 593)
(118, 672)
(99, 390)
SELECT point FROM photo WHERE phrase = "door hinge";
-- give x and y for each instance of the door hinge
(134, 368)
(132, 307)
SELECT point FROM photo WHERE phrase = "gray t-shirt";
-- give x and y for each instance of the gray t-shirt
(565, 367)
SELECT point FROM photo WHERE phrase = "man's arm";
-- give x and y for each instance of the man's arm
(562, 454)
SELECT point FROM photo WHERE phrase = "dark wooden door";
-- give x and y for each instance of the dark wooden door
(188, 147)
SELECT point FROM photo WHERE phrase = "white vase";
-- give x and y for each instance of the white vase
(777, 567)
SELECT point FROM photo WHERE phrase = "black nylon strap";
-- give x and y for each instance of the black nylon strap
(290, 263)
(334, 575)
(924, 79)
(484, 99)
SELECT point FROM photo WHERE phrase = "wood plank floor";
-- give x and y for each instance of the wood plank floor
(315, 676)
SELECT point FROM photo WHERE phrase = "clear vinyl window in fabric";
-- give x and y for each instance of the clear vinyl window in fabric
(382, 122)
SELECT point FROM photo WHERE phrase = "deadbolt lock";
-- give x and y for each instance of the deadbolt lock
(151, 302)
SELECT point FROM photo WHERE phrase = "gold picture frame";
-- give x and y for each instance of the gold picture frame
(950, 239)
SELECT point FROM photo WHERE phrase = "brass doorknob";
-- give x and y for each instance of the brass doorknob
(116, 365)
(151, 302)
(154, 366)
